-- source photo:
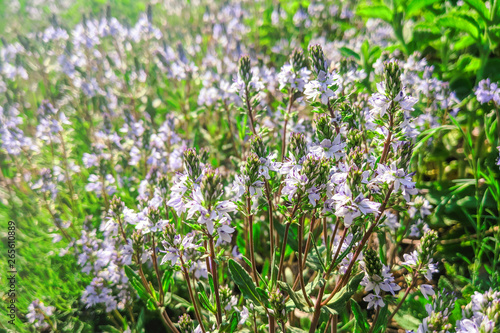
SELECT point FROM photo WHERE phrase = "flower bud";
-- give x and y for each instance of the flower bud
(252, 168)
(258, 147)
(211, 187)
(192, 163)
(318, 59)
(428, 245)
(154, 214)
(392, 78)
(438, 322)
(316, 170)
(116, 205)
(245, 70)
(297, 59)
(225, 295)
(277, 300)
(297, 146)
(163, 183)
(372, 263)
(355, 139)
(324, 128)
(185, 323)
(405, 151)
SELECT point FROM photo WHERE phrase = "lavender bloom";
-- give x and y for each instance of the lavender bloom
(487, 91)
(324, 87)
(350, 208)
(37, 312)
(295, 79)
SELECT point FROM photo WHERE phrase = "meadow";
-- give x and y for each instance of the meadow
(250, 166)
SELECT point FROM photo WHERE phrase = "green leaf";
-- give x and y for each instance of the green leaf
(360, 316)
(480, 8)
(167, 279)
(381, 323)
(406, 320)
(494, 33)
(459, 23)
(204, 300)
(338, 303)
(135, 281)
(347, 52)
(231, 325)
(415, 5)
(296, 297)
(243, 281)
(274, 269)
(109, 329)
(376, 11)
(294, 330)
(140, 322)
(211, 283)
(292, 239)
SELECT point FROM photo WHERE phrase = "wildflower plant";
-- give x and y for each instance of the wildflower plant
(212, 177)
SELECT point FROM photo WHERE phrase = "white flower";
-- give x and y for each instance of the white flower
(426, 290)
(329, 149)
(410, 259)
(374, 301)
(321, 87)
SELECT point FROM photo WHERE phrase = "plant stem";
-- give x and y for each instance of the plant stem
(191, 295)
(249, 109)
(271, 221)
(252, 250)
(283, 248)
(283, 137)
(377, 312)
(301, 267)
(412, 284)
(215, 276)
(157, 271)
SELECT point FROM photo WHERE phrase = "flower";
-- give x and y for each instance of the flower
(374, 301)
(295, 79)
(322, 87)
(426, 290)
(349, 208)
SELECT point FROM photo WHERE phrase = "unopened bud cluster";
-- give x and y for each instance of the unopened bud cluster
(258, 147)
(193, 162)
(277, 300)
(298, 60)
(372, 263)
(316, 170)
(318, 59)
(185, 323)
(324, 128)
(428, 245)
(245, 70)
(298, 146)
(252, 168)
(392, 79)
(116, 206)
(211, 187)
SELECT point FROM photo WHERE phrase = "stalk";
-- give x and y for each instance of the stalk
(301, 267)
(216, 280)
(249, 109)
(191, 295)
(283, 143)
(157, 271)
(407, 292)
